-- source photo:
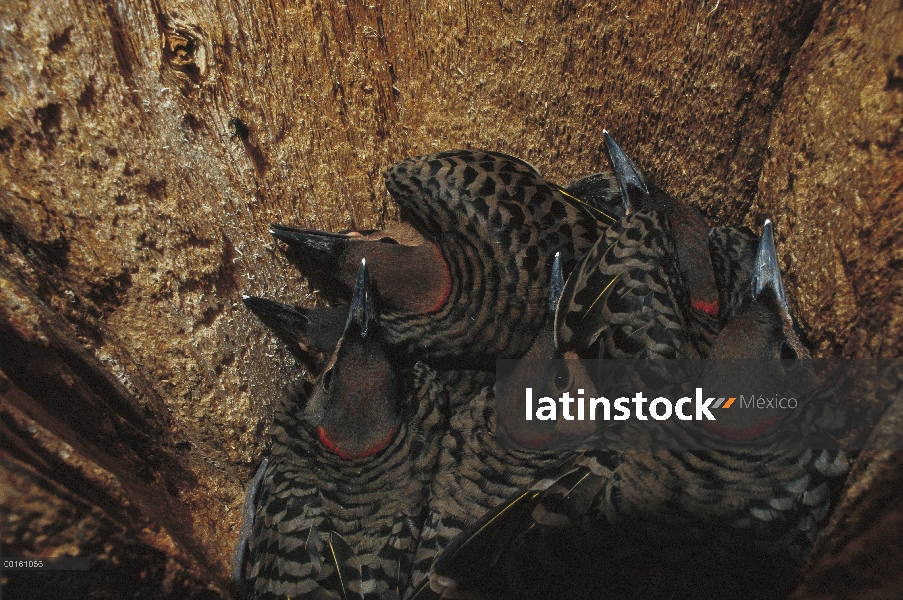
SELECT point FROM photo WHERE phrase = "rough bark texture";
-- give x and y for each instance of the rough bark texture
(145, 146)
(834, 183)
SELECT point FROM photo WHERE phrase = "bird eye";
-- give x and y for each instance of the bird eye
(327, 379)
(387, 240)
(787, 352)
(562, 378)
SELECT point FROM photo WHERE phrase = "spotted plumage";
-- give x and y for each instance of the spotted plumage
(658, 283)
(733, 514)
(387, 480)
(625, 298)
(688, 232)
(688, 229)
(549, 370)
(756, 474)
(348, 473)
(600, 190)
(490, 225)
(477, 472)
(733, 254)
(374, 502)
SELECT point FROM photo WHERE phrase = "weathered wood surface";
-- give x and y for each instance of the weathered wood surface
(146, 145)
(834, 180)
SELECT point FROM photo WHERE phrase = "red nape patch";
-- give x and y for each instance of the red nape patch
(710, 308)
(441, 302)
(741, 435)
(335, 449)
(537, 442)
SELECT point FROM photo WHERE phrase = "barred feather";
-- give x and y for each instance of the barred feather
(498, 224)
(708, 515)
(625, 299)
(601, 191)
(475, 475)
(733, 252)
(374, 503)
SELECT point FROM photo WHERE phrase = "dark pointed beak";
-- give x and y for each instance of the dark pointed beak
(356, 405)
(556, 285)
(287, 321)
(633, 183)
(767, 272)
(362, 312)
(322, 249)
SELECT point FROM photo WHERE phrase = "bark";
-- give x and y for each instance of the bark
(145, 146)
(834, 183)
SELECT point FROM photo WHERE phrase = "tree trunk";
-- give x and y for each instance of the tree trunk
(145, 146)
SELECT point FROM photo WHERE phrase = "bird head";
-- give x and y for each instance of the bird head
(759, 349)
(356, 402)
(688, 228)
(549, 372)
(392, 255)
